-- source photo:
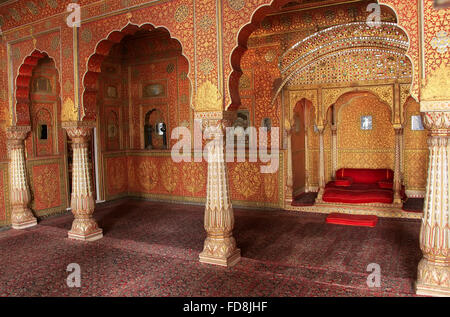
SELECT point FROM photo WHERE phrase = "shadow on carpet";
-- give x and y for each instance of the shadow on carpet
(305, 199)
(413, 205)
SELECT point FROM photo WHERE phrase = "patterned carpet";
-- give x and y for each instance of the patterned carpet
(151, 249)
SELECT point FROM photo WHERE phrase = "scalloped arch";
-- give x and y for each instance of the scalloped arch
(94, 63)
(21, 111)
(241, 47)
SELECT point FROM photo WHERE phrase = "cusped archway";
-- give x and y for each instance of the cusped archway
(357, 35)
(21, 112)
(102, 51)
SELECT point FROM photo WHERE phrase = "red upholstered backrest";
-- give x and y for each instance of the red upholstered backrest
(365, 175)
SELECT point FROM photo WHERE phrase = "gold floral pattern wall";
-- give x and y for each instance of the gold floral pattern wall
(359, 148)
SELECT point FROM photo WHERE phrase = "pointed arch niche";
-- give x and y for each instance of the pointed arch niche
(38, 105)
(138, 90)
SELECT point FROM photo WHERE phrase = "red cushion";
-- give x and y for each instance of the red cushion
(352, 220)
(385, 184)
(338, 195)
(365, 175)
(344, 182)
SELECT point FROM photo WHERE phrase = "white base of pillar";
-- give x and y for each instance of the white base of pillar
(231, 260)
(428, 290)
(23, 225)
(90, 237)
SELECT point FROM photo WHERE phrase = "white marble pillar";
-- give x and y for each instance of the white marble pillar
(84, 226)
(433, 275)
(220, 245)
(21, 215)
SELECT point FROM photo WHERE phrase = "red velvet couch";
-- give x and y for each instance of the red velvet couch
(358, 186)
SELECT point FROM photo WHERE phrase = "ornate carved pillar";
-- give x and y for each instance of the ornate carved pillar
(334, 152)
(321, 164)
(84, 227)
(433, 275)
(397, 167)
(220, 245)
(307, 164)
(289, 178)
(21, 215)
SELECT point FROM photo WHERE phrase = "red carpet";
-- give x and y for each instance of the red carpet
(352, 220)
(151, 249)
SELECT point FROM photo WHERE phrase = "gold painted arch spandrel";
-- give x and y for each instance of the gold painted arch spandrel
(208, 98)
(69, 111)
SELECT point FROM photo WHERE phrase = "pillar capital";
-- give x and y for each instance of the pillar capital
(218, 119)
(79, 131)
(438, 122)
(17, 132)
(320, 129)
(15, 136)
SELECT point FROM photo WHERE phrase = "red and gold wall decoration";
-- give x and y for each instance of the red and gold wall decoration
(155, 175)
(365, 148)
(4, 195)
(117, 177)
(416, 151)
(47, 180)
(214, 42)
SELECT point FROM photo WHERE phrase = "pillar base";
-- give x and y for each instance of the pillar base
(319, 196)
(397, 201)
(229, 261)
(25, 224)
(430, 290)
(433, 278)
(96, 235)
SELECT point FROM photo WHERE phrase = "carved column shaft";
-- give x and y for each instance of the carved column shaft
(21, 215)
(84, 227)
(220, 245)
(334, 150)
(433, 276)
(321, 165)
(289, 179)
(397, 168)
(307, 165)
